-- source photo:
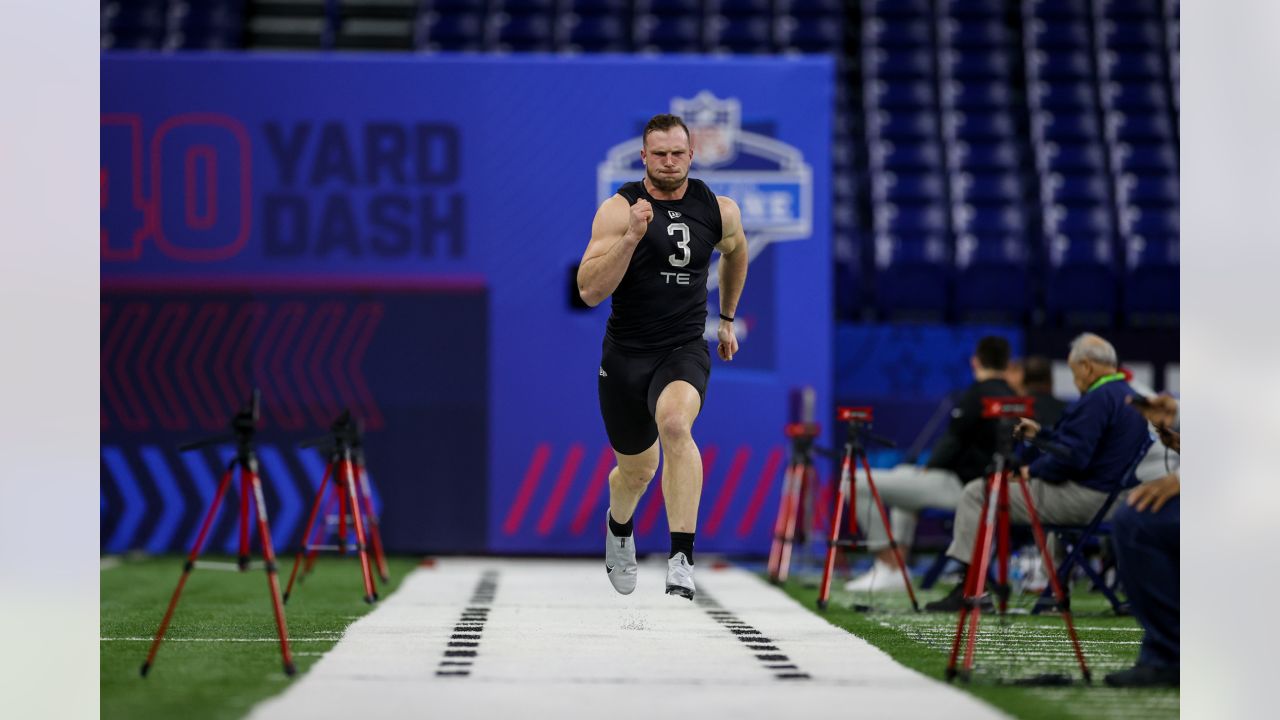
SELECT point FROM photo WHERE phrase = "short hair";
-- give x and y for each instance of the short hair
(664, 122)
(1037, 371)
(993, 352)
(1087, 346)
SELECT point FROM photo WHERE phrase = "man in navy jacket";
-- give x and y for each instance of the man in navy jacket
(1103, 437)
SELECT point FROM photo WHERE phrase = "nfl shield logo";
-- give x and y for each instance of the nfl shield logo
(713, 126)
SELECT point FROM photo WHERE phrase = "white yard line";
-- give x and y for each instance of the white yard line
(551, 639)
(110, 561)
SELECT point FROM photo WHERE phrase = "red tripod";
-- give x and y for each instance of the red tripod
(995, 516)
(243, 425)
(859, 419)
(351, 489)
(797, 487)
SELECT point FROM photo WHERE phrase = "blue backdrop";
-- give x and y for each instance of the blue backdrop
(397, 235)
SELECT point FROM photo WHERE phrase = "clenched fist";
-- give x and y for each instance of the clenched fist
(641, 216)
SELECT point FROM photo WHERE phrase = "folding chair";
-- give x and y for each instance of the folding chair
(1076, 537)
(939, 563)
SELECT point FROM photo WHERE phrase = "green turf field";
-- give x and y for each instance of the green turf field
(1016, 646)
(220, 655)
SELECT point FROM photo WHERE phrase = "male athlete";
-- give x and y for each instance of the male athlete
(650, 250)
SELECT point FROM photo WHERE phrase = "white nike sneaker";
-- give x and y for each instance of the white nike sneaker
(881, 576)
(620, 559)
(680, 576)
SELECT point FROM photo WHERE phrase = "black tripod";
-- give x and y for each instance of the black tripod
(797, 488)
(346, 467)
(1007, 467)
(855, 450)
(243, 427)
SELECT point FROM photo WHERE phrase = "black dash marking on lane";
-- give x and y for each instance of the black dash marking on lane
(771, 657)
(468, 628)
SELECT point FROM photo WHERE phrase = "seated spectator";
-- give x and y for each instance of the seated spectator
(1102, 436)
(1145, 536)
(961, 454)
(1035, 379)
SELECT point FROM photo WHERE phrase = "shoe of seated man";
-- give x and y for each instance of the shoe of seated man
(680, 576)
(1144, 676)
(881, 576)
(620, 560)
(954, 600)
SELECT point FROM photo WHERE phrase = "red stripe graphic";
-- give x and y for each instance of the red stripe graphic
(708, 462)
(218, 407)
(189, 373)
(277, 396)
(232, 377)
(149, 391)
(332, 313)
(771, 465)
(598, 478)
(825, 500)
(132, 319)
(527, 487)
(104, 378)
(567, 473)
(726, 491)
(650, 514)
(310, 401)
(371, 315)
(176, 314)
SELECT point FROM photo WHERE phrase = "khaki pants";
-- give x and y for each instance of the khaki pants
(905, 490)
(1066, 503)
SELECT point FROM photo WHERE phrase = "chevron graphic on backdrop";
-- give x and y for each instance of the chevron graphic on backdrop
(183, 365)
(154, 498)
(739, 494)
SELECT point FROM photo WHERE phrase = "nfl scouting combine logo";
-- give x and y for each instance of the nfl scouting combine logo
(768, 178)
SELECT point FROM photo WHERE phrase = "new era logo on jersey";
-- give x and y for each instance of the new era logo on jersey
(673, 214)
(603, 373)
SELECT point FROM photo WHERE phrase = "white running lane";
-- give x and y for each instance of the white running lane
(553, 640)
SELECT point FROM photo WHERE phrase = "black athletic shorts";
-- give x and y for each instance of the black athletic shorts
(630, 384)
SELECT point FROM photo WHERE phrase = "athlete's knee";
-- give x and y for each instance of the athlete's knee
(674, 424)
(636, 475)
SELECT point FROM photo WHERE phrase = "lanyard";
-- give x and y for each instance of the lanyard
(1104, 380)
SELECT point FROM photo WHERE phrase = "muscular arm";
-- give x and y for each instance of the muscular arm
(733, 261)
(733, 274)
(613, 240)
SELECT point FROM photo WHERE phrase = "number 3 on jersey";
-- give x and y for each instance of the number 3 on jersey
(682, 244)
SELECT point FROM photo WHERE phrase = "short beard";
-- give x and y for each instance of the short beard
(664, 184)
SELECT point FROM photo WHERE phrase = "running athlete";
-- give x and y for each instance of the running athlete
(650, 250)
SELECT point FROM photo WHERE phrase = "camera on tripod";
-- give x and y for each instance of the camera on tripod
(862, 414)
(1008, 408)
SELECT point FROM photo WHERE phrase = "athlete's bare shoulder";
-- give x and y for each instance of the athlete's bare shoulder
(611, 217)
(731, 224)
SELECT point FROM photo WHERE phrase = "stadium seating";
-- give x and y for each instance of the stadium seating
(978, 144)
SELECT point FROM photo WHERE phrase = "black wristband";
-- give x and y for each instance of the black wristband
(725, 318)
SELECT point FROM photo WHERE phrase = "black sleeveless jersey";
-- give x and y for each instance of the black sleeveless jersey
(661, 302)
